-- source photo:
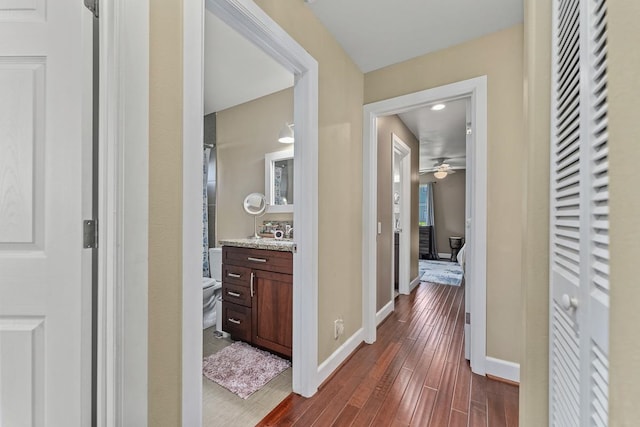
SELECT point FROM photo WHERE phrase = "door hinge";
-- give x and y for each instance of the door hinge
(467, 318)
(90, 234)
(92, 5)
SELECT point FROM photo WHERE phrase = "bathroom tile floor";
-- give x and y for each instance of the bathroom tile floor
(221, 408)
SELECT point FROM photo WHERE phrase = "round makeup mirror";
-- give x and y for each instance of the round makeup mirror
(255, 204)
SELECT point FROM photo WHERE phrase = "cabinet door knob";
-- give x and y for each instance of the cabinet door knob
(234, 275)
(234, 321)
(568, 302)
(252, 277)
(233, 294)
(256, 259)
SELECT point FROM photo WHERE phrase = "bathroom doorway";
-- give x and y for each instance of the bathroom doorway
(248, 99)
(253, 24)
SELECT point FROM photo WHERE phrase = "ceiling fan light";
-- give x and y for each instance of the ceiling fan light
(286, 134)
(440, 174)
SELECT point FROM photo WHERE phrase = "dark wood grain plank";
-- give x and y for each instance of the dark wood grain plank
(511, 409)
(345, 418)
(463, 388)
(436, 368)
(478, 388)
(414, 374)
(457, 345)
(477, 414)
(434, 374)
(382, 387)
(442, 409)
(495, 410)
(458, 419)
(414, 389)
(422, 414)
(288, 407)
(387, 411)
(365, 388)
(501, 387)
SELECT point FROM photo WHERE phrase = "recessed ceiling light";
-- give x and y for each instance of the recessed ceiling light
(438, 107)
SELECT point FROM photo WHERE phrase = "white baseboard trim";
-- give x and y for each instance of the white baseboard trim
(503, 369)
(384, 312)
(341, 354)
(415, 282)
(444, 255)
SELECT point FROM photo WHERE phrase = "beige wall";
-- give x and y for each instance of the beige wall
(534, 368)
(165, 213)
(449, 203)
(340, 172)
(387, 126)
(624, 158)
(340, 146)
(499, 57)
(245, 133)
(340, 178)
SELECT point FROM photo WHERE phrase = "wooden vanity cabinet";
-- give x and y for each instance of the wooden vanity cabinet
(272, 311)
(257, 297)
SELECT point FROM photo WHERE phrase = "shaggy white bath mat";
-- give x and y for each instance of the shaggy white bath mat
(243, 369)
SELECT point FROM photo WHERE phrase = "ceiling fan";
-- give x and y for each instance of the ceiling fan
(440, 169)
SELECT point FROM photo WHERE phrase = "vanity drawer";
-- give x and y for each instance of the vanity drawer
(237, 294)
(236, 274)
(259, 259)
(236, 320)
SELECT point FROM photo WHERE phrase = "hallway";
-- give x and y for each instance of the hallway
(414, 374)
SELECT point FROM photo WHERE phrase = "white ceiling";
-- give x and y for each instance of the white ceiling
(235, 70)
(377, 33)
(442, 134)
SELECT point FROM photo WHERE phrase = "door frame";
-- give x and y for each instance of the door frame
(468, 199)
(253, 23)
(404, 253)
(123, 205)
(123, 213)
(476, 89)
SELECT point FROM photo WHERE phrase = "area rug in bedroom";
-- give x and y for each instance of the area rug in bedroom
(243, 369)
(443, 272)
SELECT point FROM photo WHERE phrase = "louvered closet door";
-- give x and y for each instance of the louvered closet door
(579, 306)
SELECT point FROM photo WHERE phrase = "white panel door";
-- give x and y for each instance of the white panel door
(45, 317)
(401, 213)
(579, 256)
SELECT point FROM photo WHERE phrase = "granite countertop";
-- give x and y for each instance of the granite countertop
(284, 245)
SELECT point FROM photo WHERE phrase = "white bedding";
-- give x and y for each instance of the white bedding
(461, 256)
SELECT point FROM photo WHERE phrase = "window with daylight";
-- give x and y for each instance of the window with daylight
(425, 205)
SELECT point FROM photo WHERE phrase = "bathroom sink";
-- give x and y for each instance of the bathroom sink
(287, 245)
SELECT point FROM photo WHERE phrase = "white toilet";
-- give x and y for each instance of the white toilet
(211, 287)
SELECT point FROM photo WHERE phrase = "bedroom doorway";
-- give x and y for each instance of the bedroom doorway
(475, 216)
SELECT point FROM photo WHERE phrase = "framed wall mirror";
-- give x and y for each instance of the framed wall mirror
(278, 180)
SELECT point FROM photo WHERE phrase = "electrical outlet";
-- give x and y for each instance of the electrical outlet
(338, 328)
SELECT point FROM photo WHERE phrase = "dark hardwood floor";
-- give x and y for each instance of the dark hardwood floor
(414, 374)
